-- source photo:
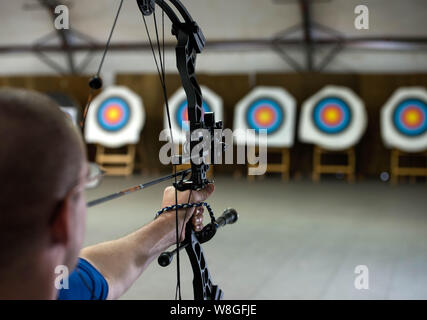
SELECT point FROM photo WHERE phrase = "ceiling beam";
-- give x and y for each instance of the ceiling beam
(364, 43)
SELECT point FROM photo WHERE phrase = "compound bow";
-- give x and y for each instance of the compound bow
(191, 42)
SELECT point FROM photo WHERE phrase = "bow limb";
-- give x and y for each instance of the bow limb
(203, 287)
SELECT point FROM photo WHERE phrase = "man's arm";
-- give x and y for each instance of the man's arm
(122, 261)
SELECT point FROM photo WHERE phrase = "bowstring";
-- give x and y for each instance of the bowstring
(178, 278)
(162, 77)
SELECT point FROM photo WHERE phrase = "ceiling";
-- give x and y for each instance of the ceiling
(226, 22)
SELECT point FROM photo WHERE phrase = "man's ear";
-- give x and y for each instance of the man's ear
(61, 222)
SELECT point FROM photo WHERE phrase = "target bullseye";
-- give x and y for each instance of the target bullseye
(113, 114)
(410, 117)
(265, 114)
(331, 115)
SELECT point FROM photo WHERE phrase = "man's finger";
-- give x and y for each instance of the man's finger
(197, 220)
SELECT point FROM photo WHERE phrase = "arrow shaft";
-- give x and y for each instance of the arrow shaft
(135, 188)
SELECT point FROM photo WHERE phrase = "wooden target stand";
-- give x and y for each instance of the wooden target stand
(116, 164)
(283, 167)
(400, 171)
(319, 167)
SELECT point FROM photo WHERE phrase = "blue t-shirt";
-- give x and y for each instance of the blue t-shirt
(85, 283)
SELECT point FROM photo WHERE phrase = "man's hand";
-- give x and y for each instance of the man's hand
(122, 261)
(196, 214)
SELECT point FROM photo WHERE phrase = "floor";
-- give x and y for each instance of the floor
(294, 240)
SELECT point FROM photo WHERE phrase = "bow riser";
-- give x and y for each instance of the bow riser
(186, 61)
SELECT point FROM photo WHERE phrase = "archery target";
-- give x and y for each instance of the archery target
(404, 120)
(178, 111)
(115, 118)
(271, 109)
(334, 118)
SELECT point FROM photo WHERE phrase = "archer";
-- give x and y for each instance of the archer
(43, 168)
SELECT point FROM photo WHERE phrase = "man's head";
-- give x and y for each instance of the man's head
(42, 175)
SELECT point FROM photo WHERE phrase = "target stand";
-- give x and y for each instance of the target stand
(319, 167)
(283, 167)
(115, 163)
(406, 171)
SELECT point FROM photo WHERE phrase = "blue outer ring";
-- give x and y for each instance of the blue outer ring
(400, 127)
(279, 112)
(206, 108)
(126, 114)
(321, 126)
